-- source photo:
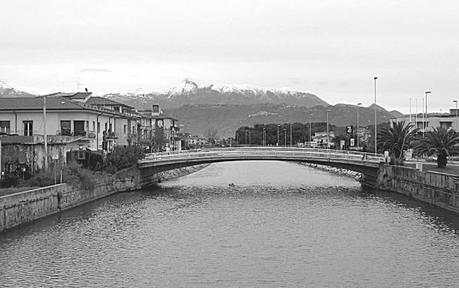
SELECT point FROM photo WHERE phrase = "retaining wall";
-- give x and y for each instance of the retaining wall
(438, 189)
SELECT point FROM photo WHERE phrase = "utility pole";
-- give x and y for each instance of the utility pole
(45, 136)
(310, 132)
(291, 138)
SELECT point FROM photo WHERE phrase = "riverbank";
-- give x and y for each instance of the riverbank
(26, 206)
(338, 171)
(438, 189)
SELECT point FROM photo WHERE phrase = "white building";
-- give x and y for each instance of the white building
(320, 139)
(70, 117)
(432, 120)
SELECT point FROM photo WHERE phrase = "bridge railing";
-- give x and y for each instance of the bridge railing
(277, 152)
(270, 148)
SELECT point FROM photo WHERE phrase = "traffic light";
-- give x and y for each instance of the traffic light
(349, 130)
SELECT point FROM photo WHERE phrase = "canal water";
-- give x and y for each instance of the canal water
(279, 225)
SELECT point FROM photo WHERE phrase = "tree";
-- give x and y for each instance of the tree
(440, 142)
(396, 140)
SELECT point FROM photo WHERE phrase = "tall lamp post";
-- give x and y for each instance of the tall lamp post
(357, 130)
(455, 120)
(376, 125)
(278, 126)
(310, 132)
(285, 137)
(426, 115)
(291, 140)
(328, 134)
(264, 136)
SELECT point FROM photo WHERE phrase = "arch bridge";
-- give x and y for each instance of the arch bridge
(365, 163)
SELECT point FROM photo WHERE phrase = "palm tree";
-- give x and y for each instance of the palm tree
(396, 140)
(441, 142)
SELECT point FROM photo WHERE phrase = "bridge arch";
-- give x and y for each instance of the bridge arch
(368, 165)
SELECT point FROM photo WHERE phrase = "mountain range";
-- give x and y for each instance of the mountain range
(192, 94)
(228, 108)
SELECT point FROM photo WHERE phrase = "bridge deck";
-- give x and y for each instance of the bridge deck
(262, 153)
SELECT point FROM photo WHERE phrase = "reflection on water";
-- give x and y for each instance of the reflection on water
(280, 224)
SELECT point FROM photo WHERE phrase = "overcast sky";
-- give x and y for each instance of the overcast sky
(332, 48)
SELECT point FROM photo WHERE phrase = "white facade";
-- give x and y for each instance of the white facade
(431, 121)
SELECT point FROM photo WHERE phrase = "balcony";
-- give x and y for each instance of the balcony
(110, 135)
(77, 133)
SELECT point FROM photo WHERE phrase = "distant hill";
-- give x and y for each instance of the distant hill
(191, 94)
(8, 91)
(396, 114)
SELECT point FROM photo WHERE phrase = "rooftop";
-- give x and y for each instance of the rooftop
(35, 103)
(97, 100)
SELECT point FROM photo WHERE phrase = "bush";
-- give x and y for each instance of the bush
(72, 174)
(9, 180)
(123, 157)
(41, 179)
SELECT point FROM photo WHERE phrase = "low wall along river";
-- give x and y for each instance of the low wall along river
(438, 189)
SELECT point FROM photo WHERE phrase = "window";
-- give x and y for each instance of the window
(28, 128)
(98, 127)
(66, 129)
(446, 124)
(4, 126)
(93, 126)
(105, 127)
(78, 128)
(124, 128)
(110, 128)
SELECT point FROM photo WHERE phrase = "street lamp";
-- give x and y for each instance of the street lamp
(310, 132)
(426, 115)
(291, 140)
(455, 101)
(328, 135)
(357, 130)
(285, 137)
(376, 132)
(278, 126)
(264, 136)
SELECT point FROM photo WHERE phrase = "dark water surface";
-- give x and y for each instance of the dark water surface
(281, 225)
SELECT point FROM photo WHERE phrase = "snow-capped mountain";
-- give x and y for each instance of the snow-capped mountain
(8, 91)
(192, 94)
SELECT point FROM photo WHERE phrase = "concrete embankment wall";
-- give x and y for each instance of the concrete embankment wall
(26, 206)
(438, 189)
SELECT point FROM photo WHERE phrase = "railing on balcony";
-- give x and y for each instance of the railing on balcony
(77, 133)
